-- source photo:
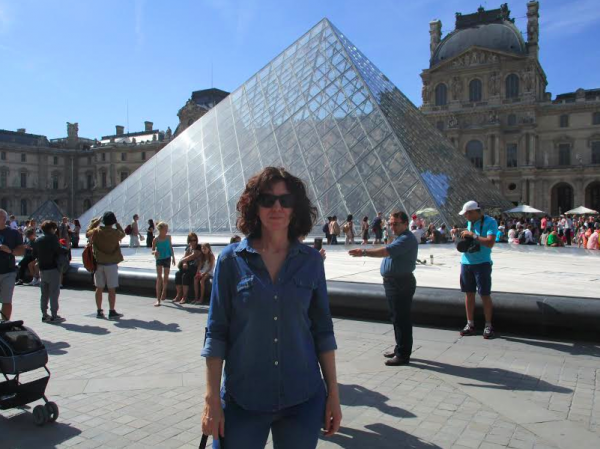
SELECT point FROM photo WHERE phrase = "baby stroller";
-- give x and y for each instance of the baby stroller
(21, 351)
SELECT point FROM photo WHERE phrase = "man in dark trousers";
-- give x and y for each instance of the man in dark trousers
(399, 283)
(46, 250)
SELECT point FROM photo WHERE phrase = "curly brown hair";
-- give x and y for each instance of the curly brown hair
(303, 215)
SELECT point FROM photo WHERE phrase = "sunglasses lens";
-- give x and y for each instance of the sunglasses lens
(287, 201)
(267, 200)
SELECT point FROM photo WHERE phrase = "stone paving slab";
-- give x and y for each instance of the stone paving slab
(139, 383)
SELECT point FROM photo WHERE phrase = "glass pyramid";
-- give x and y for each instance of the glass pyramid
(326, 113)
(47, 211)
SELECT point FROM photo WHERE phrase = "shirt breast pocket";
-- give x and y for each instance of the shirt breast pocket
(303, 291)
(244, 289)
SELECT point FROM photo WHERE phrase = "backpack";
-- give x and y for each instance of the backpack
(89, 261)
(522, 239)
(346, 228)
(326, 228)
(128, 229)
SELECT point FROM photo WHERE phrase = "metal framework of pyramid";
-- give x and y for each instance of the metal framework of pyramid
(49, 210)
(326, 113)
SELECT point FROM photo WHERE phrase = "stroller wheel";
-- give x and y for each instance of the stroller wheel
(40, 415)
(52, 410)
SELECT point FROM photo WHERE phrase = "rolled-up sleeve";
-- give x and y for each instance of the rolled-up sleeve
(217, 330)
(320, 315)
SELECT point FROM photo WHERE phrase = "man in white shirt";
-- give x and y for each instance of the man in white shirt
(567, 225)
(529, 240)
(13, 223)
(418, 233)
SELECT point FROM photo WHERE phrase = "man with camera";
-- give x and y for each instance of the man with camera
(476, 265)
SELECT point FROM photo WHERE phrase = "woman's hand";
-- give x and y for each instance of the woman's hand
(174, 264)
(333, 415)
(213, 418)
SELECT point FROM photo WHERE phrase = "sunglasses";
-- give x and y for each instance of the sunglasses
(267, 200)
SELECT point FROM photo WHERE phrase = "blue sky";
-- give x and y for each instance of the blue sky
(85, 61)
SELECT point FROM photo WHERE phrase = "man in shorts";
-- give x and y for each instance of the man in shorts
(106, 241)
(476, 267)
(11, 245)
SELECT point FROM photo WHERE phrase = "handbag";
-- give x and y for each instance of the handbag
(469, 244)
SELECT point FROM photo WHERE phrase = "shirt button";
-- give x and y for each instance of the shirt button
(275, 318)
(275, 296)
(275, 340)
(276, 363)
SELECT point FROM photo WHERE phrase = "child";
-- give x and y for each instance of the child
(162, 249)
(206, 271)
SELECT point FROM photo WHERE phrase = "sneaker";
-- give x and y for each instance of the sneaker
(19, 282)
(100, 314)
(57, 319)
(467, 331)
(46, 318)
(488, 332)
(34, 283)
(114, 315)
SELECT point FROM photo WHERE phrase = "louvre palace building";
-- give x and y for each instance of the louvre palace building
(485, 90)
(75, 172)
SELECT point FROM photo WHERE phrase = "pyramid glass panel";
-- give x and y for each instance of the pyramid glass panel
(322, 110)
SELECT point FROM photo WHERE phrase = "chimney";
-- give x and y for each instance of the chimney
(21, 130)
(148, 126)
(435, 35)
(120, 130)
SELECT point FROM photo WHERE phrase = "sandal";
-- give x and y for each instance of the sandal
(157, 304)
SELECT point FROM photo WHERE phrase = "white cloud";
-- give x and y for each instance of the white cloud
(569, 18)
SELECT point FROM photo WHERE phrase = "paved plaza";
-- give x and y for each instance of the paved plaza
(139, 383)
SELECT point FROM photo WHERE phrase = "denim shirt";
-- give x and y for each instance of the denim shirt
(269, 334)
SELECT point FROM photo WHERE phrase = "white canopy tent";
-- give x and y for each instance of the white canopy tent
(524, 209)
(581, 210)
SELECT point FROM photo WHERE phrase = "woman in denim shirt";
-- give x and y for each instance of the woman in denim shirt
(269, 321)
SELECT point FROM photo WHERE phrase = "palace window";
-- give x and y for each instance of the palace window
(103, 157)
(563, 121)
(55, 182)
(511, 155)
(3, 156)
(143, 155)
(55, 160)
(475, 153)
(90, 181)
(4, 204)
(104, 179)
(23, 157)
(124, 175)
(475, 91)
(512, 86)
(564, 154)
(596, 152)
(512, 120)
(440, 95)
(23, 180)
(123, 156)
(23, 207)
(4, 179)
(596, 118)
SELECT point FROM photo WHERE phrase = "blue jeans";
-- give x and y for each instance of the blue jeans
(296, 427)
(399, 292)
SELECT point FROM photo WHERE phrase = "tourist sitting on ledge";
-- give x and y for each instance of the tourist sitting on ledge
(555, 239)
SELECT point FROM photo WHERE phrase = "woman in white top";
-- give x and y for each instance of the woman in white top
(512, 235)
(206, 271)
(349, 230)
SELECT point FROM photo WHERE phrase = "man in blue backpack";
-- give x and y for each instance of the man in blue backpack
(476, 266)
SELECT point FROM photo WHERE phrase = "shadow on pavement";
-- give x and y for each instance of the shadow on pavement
(380, 436)
(19, 431)
(57, 348)
(153, 325)
(85, 329)
(501, 379)
(571, 348)
(356, 395)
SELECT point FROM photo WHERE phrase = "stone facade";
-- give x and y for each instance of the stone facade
(485, 90)
(76, 172)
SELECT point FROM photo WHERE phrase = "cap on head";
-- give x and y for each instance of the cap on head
(469, 205)
(109, 218)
